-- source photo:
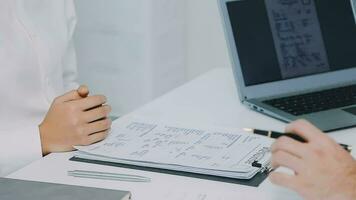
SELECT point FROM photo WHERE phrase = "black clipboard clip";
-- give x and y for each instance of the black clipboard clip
(264, 169)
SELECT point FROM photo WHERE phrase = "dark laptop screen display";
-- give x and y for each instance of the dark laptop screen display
(283, 39)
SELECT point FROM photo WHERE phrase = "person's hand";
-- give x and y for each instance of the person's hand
(83, 91)
(74, 119)
(322, 168)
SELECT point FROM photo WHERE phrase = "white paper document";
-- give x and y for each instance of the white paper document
(211, 151)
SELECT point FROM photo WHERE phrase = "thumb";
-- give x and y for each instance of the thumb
(83, 91)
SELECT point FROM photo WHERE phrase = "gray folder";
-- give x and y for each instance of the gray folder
(12, 189)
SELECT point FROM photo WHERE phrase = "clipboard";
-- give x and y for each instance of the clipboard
(253, 182)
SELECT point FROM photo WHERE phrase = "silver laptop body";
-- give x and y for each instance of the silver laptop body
(285, 50)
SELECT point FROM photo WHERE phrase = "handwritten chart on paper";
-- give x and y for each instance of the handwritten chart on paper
(297, 37)
(213, 149)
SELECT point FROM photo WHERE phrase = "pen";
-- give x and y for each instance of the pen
(275, 135)
(108, 176)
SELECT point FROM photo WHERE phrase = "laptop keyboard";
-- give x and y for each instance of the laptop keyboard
(316, 101)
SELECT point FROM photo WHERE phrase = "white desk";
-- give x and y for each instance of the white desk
(209, 100)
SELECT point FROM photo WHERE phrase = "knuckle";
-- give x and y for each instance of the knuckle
(283, 140)
(317, 150)
(99, 99)
(324, 140)
(302, 122)
(107, 110)
(105, 134)
(107, 123)
(329, 141)
(299, 123)
(103, 112)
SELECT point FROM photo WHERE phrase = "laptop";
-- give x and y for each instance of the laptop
(295, 59)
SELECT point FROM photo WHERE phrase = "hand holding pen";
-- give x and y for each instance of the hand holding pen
(322, 168)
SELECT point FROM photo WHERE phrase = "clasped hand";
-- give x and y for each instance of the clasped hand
(75, 119)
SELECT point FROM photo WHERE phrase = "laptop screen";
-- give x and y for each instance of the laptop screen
(283, 39)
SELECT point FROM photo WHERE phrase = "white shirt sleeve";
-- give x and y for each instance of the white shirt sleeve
(24, 106)
(69, 59)
(15, 154)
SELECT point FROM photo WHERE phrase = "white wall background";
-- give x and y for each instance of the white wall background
(206, 47)
(134, 51)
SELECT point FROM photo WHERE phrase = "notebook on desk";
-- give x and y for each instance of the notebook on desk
(12, 189)
(223, 153)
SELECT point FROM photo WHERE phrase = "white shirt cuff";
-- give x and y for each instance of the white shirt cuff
(19, 148)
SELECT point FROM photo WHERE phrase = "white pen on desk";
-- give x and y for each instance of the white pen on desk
(108, 176)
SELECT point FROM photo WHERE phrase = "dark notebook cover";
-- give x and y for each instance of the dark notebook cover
(12, 189)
